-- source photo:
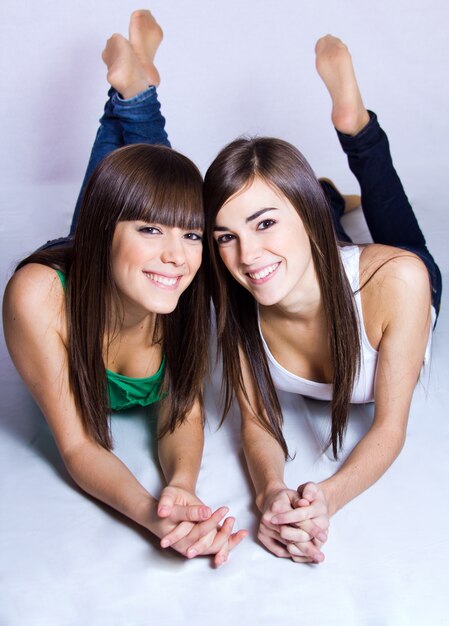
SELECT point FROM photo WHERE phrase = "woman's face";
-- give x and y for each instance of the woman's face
(153, 264)
(262, 241)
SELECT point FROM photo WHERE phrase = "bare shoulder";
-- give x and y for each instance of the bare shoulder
(387, 266)
(395, 283)
(34, 296)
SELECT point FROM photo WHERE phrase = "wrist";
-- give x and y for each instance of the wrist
(273, 486)
(146, 511)
(331, 496)
(182, 481)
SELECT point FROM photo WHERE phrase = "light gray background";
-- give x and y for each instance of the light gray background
(227, 68)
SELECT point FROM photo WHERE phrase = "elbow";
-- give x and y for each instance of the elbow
(77, 461)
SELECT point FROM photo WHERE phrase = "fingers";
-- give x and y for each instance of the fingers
(296, 515)
(307, 551)
(316, 528)
(237, 538)
(273, 546)
(232, 541)
(301, 559)
(182, 541)
(220, 545)
(178, 533)
(211, 539)
(293, 534)
(190, 513)
(223, 551)
(181, 513)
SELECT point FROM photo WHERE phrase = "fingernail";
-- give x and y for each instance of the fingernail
(163, 509)
(274, 520)
(322, 537)
(205, 513)
(191, 553)
(165, 543)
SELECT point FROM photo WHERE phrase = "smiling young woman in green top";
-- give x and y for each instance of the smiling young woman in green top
(127, 327)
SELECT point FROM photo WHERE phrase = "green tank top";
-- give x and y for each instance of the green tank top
(125, 392)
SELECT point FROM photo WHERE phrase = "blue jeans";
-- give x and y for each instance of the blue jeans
(386, 208)
(137, 120)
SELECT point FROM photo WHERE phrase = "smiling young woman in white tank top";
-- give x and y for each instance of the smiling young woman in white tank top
(311, 314)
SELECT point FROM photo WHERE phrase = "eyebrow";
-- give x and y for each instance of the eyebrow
(250, 218)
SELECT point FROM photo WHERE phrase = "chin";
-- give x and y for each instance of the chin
(267, 301)
(162, 308)
(265, 297)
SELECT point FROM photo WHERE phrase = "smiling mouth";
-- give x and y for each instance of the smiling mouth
(264, 273)
(170, 282)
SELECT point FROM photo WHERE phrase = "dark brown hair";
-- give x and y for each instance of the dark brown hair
(138, 182)
(283, 167)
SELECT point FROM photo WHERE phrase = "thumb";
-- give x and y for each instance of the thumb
(165, 506)
(190, 513)
(308, 491)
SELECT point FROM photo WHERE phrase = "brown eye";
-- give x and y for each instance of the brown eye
(150, 230)
(265, 224)
(224, 238)
(193, 237)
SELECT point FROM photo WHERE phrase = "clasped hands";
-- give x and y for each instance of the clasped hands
(185, 524)
(295, 524)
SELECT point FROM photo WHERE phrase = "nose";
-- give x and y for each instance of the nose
(249, 250)
(173, 251)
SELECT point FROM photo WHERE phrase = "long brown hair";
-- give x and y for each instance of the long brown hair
(138, 182)
(283, 167)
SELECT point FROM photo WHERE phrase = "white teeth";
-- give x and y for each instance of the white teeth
(164, 280)
(263, 273)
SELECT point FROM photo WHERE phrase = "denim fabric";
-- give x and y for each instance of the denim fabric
(124, 122)
(386, 208)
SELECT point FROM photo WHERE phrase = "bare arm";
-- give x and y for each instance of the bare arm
(180, 452)
(266, 463)
(35, 331)
(402, 288)
(402, 293)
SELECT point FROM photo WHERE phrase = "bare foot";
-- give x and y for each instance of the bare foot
(352, 201)
(125, 72)
(334, 65)
(145, 35)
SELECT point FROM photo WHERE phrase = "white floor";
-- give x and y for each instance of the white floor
(65, 560)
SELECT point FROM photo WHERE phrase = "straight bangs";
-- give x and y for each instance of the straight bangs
(161, 186)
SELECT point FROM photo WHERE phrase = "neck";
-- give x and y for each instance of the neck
(132, 321)
(304, 302)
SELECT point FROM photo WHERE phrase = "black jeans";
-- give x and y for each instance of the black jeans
(387, 210)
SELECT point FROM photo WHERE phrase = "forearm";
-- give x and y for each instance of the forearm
(103, 475)
(366, 464)
(180, 453)
(265, 460)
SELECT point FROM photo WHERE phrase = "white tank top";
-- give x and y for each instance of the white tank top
(363, 390)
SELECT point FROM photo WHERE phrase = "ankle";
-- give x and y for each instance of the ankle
(133, 90)
(350, 121)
